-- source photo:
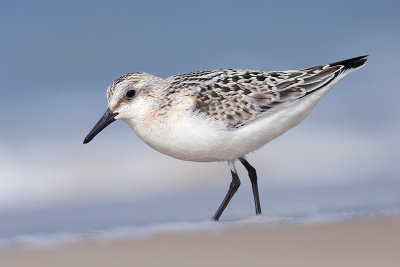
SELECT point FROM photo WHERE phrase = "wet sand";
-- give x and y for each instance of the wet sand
(368, 242)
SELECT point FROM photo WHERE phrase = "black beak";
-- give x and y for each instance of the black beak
(104, 121)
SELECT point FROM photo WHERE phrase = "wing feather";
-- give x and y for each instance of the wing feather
(236, 97)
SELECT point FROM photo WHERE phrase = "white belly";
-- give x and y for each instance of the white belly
(186, 136)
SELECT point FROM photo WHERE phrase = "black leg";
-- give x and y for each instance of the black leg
(253, 178)
(233, 187)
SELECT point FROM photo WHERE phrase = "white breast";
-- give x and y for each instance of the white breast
(186, 135)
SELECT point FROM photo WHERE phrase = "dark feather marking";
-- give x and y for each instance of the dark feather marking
(214, 94)
(236, 87)
(239, 96)
(246, 91)
(285, 84)
(291, 94)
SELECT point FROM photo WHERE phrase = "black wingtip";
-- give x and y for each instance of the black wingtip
(352, 63)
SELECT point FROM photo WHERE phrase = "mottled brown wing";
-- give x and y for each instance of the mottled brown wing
(237, 97)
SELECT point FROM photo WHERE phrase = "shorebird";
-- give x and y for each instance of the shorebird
(219, 115)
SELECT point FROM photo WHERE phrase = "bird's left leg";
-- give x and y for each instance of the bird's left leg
(233, 187)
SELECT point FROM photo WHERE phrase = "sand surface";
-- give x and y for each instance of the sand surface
(352, 243)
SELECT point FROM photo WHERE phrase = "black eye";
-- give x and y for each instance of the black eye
(131, 93)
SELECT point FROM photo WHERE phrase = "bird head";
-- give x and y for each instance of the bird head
(129, 98)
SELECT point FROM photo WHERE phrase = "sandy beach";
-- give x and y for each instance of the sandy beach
(358, 242)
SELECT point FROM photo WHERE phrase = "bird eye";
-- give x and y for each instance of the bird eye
(131, 93)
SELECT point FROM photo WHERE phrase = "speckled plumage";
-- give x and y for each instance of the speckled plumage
(236, 97)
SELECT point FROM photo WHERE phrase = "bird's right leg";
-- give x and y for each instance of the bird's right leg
(253, 179)
(233, 187)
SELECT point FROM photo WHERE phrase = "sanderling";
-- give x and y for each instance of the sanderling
(219, 115)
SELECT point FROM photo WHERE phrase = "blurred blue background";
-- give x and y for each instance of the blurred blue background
(58, 58)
